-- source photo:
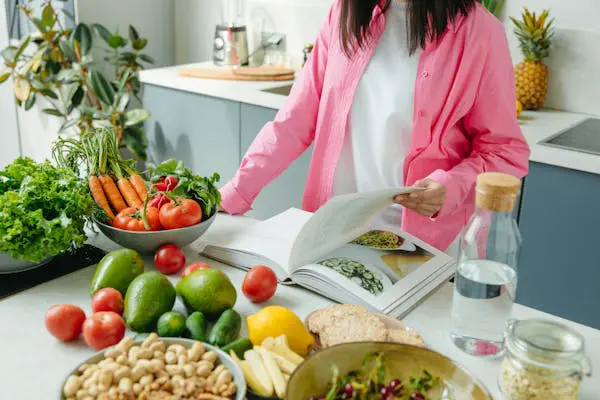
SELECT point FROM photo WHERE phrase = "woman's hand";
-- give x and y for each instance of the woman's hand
(426, 202)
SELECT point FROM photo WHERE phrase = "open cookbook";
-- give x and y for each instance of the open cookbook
(345, 251)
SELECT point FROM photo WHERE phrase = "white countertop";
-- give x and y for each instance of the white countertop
(536, 126)
(33, 364)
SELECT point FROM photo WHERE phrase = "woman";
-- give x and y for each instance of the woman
(397, 93)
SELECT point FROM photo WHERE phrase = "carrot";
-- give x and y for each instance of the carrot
(139, 186)
(98, 195)
(114, 197)
(129, 193)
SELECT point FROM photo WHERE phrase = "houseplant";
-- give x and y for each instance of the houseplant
(494, 6)
(55, 65)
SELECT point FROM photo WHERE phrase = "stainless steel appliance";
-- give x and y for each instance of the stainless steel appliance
(230, 45)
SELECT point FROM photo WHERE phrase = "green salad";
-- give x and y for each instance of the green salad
(43, 210)
(356, 272)
(369, 383)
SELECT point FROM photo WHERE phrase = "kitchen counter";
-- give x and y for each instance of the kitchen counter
(536, 126)
(34, 364)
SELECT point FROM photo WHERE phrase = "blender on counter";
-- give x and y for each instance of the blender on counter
(230, 45)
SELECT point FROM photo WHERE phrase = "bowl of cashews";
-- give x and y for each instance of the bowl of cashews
(156, 369)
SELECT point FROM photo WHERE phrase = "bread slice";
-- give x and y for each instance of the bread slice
(319, 319)
(362, 327)
(405, 336)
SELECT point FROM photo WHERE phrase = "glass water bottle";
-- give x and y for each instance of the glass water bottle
(486, 274)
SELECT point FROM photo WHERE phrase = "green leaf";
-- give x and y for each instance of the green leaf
(39, 24)
(52, 111)
(124, 79)
(4, 77)
(77, 97)
(83, 36)
(116, 41)
(68, 124)
(48, 16)
(22, 89)
(49, 93)
(30, 102)
(136, 116)
(133, 34)
(102, 32)
(127, 56)
(147, 58)
(67, 75)
(67, 50)
(134, 139)
(101, 87)
(123, 102)
(139, 44)
(22, 48)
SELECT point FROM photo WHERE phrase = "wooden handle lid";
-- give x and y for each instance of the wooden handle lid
(497, 191)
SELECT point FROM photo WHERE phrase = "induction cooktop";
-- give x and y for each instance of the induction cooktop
(583, 137)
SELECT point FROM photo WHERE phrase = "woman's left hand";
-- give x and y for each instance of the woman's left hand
(426, 202)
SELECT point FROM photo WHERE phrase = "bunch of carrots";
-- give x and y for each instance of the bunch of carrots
(114, 182)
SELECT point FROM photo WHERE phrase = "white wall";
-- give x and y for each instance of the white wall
(9, 135)
(154, 19)
(195, 24)
(574, 60)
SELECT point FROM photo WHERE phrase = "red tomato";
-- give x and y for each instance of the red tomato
(194, 267)
(108, 299)
(130, 219)
(64, 321)
(259, 284)
(169, 259)
(179, 214)
(103, 329)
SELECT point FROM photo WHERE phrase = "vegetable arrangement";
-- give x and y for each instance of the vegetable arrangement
(368, 383)
(42, 210)
(176, 199)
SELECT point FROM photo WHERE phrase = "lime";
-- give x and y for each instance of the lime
(209, 291)
(170, 324)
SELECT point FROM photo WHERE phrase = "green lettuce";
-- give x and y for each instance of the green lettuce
(43, 210)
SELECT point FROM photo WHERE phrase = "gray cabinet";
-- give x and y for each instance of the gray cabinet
(285, 191)
(559, 269)
(201, 131)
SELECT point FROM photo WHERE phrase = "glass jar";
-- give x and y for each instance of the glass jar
(543, 360)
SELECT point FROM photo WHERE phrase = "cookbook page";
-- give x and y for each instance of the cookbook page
(381, 267)
(339, 221)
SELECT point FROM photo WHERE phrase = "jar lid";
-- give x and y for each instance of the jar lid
(546, 342)
(498, 183)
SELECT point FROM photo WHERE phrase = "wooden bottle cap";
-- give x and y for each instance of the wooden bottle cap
(497, 191)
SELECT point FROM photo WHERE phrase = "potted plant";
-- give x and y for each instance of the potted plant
(493, 6)
(55, 65)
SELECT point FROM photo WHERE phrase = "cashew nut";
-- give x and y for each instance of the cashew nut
(196, 351)
(170, 357)
(125, 385)
(72, 385)
(210, 356)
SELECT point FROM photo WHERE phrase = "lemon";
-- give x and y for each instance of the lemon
(274, 321)
(519, 108)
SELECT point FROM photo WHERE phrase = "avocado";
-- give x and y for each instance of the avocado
(149, 296)
(116, 270)
(209, 291)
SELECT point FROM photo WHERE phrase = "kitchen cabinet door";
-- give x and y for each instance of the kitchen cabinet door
(285, 191)
(201, 131)
(559, 269)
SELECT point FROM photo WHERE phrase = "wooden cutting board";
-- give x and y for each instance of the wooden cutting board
(240, 73)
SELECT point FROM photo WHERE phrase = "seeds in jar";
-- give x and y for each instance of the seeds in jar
(530, 382)
(152, 370)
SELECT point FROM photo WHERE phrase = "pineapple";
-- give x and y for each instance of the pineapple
(535, 36)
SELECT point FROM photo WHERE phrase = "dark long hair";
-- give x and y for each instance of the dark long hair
(427, 19)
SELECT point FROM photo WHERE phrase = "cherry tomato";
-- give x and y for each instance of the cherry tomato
(103, 329)
(194, 267)
(179, 214)
(260, 284)
(158, 201)
(170, 183)
(130, 219)
(108, 299)
(169, 259)
(64, 321)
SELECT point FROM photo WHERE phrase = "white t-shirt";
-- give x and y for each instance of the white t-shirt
(381, 118)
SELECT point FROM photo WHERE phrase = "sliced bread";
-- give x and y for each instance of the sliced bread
(405, 336)
(319, 319)
(362, 327)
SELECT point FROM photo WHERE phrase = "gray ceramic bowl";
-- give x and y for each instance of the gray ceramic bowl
(236, 371)
(149, 242)
(9, 265)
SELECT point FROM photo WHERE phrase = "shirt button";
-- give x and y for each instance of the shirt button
(421, 113)
(424, 74)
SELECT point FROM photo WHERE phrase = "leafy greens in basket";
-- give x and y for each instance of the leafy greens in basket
(42, 210)
(202, 189)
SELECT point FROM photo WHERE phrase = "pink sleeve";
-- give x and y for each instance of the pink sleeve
(498, 145)
(283, 140)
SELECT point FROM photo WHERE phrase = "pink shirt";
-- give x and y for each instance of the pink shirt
(464, 121)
